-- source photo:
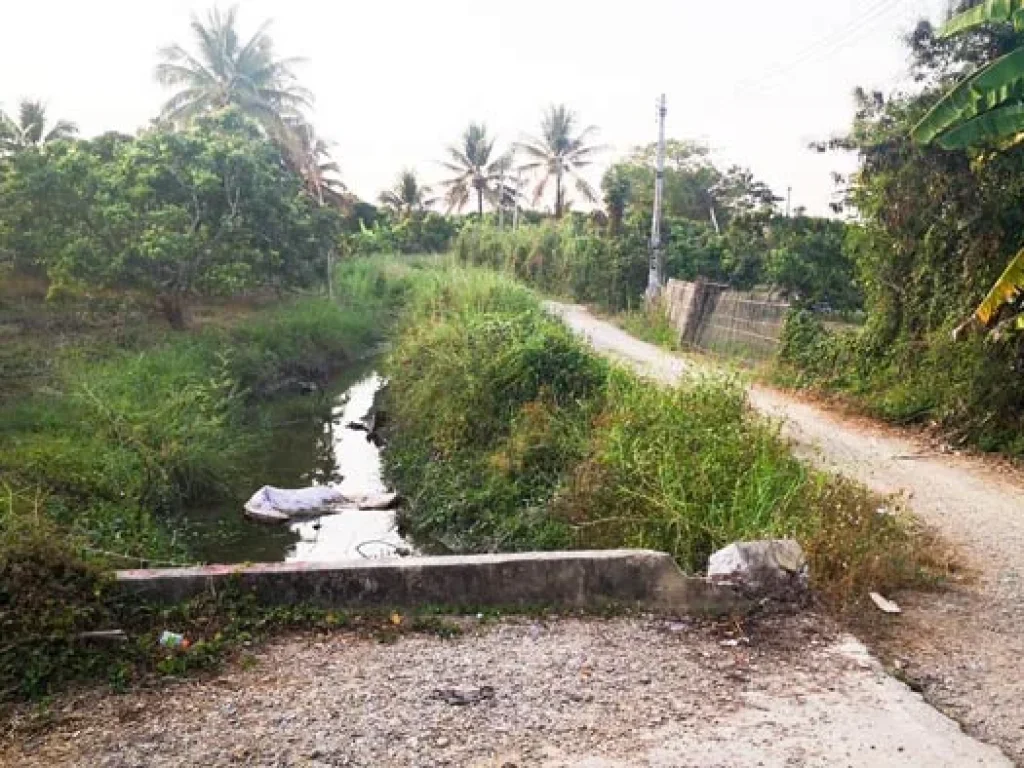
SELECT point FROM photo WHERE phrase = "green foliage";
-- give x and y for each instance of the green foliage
(48, 595)
(970, 388)
(119, 441)
(414, 233)
(695, 188)
(508, 434)
(986, 12)
(934, 230)
(984, 110)
(802, 257)
(208, 210)
(1006, 289)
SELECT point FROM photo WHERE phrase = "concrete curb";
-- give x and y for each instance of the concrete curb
(639, 579)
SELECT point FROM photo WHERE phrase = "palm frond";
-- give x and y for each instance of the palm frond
(457, 197)
(585, 190)
(231, 72)
(62, 129)
(459, 169)
(540, 189)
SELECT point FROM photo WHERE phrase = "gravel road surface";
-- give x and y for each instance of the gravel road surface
(611, 693)
(964, 646)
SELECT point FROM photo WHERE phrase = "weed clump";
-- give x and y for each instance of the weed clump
(510, 434)
(969, 390)
(122, 438)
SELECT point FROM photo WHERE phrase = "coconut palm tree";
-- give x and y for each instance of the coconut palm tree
(560, 153)
(475, 171)
(408, 195)
(309, 156)
(30, 129)
(227, 71)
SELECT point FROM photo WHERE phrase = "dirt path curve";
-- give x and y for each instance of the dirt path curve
(562, 694)
(965, 646)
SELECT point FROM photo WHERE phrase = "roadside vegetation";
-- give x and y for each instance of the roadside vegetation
(939, 198)
(509, 434)
(157, 289)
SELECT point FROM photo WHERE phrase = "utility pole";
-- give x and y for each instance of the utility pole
(789, 200)
(501, 198)
(656, 275)
(330, 247)
(515, 199)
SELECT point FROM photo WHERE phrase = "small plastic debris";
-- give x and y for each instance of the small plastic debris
(114, 635)
(461, 697)
(886, 606)
(735, 642)
(173, 640)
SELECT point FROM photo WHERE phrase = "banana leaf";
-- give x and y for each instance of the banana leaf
(989, 12)
(992, 86)
(1005, 290)
(988, 129)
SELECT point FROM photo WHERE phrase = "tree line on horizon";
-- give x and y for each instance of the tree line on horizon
(223, 71)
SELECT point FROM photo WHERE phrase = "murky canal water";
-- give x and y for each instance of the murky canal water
(312, 447)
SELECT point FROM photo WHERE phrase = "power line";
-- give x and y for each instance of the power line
(833, 44)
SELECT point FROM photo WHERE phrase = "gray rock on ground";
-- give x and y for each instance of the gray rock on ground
(770, 568)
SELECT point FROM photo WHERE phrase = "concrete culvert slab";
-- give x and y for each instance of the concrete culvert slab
(632, 579)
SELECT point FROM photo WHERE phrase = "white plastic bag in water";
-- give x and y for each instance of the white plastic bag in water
(278, 505)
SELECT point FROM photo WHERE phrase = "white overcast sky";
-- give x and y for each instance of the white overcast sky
(397, 80)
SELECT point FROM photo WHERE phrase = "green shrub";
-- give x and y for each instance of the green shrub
(48, 595)
(685, 470)
(509, 434)
(563, 258)
(482, 387)
(969, 388)
(123, 438)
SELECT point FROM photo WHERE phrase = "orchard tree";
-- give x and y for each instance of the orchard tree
(209, 210)
(695, 188)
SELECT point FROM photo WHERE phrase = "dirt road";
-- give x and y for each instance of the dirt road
(965, 647)
(569, 693)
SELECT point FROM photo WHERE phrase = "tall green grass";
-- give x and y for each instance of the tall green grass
(563, 258)
(121, 439)
(94, 465)
(509, 434)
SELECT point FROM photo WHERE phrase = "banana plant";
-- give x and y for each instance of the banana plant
(1004, 291)
(984, 111)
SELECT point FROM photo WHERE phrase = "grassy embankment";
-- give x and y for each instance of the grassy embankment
(966, 390)
(509, 434)
(109, 424)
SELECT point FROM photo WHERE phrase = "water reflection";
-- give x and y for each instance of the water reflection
(353, 533)
(311, 446)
